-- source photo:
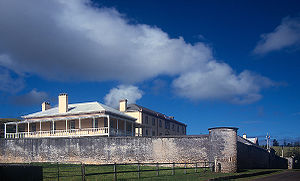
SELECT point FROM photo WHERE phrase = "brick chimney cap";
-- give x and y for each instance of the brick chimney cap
(47, 102)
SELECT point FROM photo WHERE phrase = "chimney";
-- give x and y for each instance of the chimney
(171, 117)
(63, 103)
(45, 106)
(123, 105)
(244, 136)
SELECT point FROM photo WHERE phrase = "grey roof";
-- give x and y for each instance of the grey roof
(248, 141)
(253, 140)
(80, 108)
(135, 107)
(245, 141)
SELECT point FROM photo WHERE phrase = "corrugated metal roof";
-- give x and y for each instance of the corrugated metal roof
(80, 108)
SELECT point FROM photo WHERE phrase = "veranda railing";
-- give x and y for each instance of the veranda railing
(60, 133)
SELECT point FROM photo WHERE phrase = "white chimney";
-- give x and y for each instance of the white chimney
(123, 105)
(244, 136)
(45, 106)
(63, 103)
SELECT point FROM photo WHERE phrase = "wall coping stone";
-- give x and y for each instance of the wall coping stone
(234, 128)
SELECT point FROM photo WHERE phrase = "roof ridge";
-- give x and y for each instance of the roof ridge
(84, 102)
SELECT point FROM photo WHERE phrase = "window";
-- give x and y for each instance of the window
(160, 134)
(21, 127)
(177, 128)
(153, 133)
(182, 129)
(153, 121)
(128, 127)
(160, 123)
(33, 127)
(72, 124)
(146, 132)
(51, 126)
(96, 123)
(173, 127)
(167, 124)
(146, 119)
(105, 123)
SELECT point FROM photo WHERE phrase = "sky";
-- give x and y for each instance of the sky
(207, 63)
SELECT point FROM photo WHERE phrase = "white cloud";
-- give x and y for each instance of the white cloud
(31, 98)
(285, 35)
(72, 40)
(218, 81)
(129, 92)
(64, 40)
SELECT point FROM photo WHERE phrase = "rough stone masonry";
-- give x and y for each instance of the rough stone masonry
(219, 145)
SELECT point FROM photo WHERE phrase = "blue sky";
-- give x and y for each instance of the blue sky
(208, 63)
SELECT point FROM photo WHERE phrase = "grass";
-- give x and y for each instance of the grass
(67, 172)
(72, 172)
(273, 172)
(287, 151)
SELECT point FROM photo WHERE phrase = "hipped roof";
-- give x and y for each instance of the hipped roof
(79, 108)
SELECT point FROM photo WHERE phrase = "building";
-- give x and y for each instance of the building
(69, 120)
(10, 129)
(154, 123)
(252, 140)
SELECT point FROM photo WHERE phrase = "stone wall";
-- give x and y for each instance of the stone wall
(99, 150)
(250, 156)
(221, 146)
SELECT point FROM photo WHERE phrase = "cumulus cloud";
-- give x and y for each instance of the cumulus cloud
(285, 35)
(31, 98)
(218, 82)
(73, 40)
(129, 92)
(65, 40)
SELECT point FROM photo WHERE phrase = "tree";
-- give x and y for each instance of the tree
(296, 143)
(284, 142)
(275, 142)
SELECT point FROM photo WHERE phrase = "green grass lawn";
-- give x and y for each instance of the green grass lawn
(73, 172)
(287, 151)
(70, 172)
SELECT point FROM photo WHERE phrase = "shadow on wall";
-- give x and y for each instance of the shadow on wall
(251, 156)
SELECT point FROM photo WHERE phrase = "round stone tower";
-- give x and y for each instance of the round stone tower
(223, 148)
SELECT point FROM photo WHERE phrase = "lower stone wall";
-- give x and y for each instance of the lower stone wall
(222, 146)
(250, 156)
(277, 161)
(100, 150)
